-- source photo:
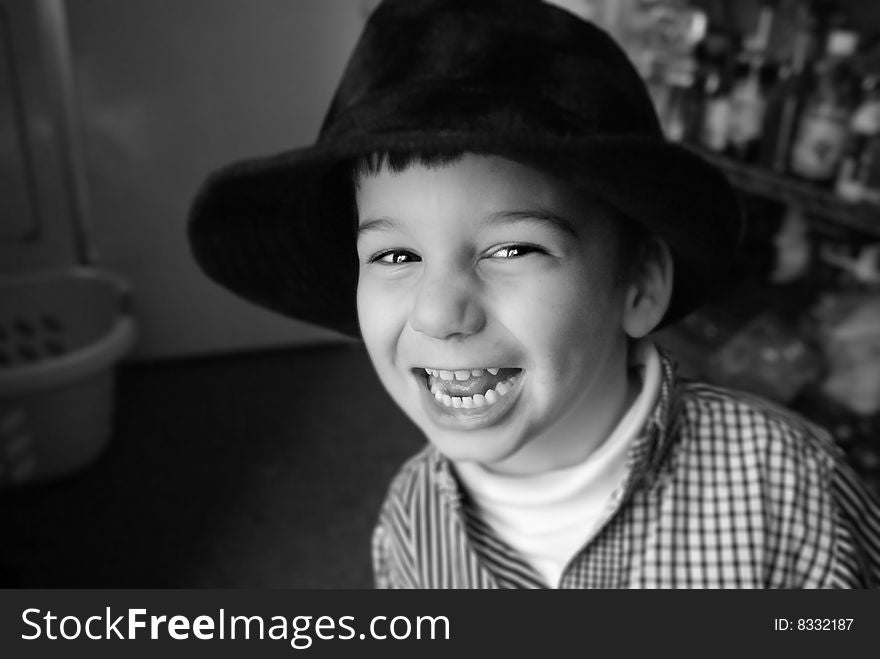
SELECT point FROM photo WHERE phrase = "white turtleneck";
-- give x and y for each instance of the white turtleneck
(548, 517)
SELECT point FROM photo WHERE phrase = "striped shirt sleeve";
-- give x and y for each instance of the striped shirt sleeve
(393, 563)
(381, 572)
(391, 569)
(857, 555)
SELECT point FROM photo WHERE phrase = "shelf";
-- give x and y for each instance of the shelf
(818, 202)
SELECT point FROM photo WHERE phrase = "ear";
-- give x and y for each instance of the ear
(650, 289)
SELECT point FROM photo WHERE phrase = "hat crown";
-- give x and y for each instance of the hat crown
(496, 65)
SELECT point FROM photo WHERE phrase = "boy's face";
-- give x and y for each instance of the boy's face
(489, 264)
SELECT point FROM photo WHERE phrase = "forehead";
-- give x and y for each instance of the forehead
(474, 191)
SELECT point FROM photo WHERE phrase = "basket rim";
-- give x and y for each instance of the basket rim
(23, 379)
(52, 371)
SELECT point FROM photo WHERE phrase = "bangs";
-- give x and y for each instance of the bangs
(398, 161)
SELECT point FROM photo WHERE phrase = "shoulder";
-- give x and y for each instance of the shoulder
(738, 423)
(762, 457)
(415, 507)
(811, 503)
(423, 489)
(419, 473)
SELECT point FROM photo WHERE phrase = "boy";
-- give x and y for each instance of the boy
(492, 208)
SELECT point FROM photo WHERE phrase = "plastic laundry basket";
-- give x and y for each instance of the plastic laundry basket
(61, 334)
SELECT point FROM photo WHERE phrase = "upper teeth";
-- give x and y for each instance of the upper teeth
(459, 375)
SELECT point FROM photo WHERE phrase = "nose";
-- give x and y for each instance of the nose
(446, 305)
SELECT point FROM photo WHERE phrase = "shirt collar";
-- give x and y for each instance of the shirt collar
(648, 453)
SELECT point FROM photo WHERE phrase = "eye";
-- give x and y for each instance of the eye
(514, 251)
(394, 257)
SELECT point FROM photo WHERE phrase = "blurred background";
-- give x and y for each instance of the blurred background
(155, 431)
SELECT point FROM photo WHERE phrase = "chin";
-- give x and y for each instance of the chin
(484, 447)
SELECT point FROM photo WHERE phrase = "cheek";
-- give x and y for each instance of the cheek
(369, 302)
(379, 333)
(566, 324)
(382, 315)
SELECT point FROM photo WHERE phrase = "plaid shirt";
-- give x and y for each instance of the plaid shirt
(723, 490)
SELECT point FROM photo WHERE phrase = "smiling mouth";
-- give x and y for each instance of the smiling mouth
(468, 388)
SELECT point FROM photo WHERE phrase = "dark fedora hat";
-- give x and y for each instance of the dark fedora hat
(509, 77)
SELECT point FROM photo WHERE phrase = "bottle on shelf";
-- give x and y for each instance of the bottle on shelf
(786, 99)
(716, 111)
(824, 124)
(859, 176)
(679, 103)
(748, 96)
(672, 67)
(710, 105)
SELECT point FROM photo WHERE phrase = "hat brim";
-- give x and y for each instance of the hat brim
(280, 231)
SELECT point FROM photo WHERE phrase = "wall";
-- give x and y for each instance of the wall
(169, 90)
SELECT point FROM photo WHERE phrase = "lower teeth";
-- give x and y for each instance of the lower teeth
(478, 400)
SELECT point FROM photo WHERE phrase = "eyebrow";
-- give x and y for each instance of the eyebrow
(501, 217)
(535, 216)
(377, 224)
